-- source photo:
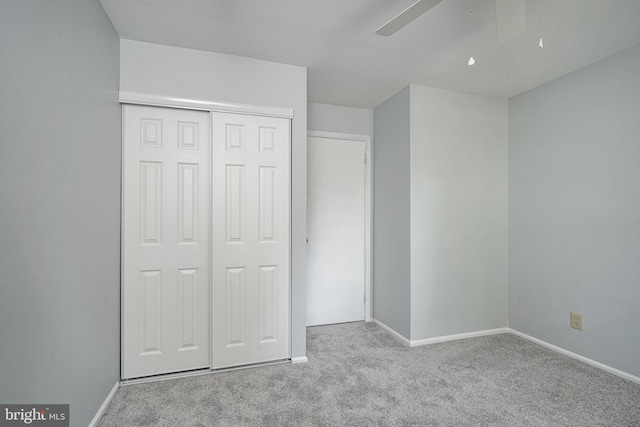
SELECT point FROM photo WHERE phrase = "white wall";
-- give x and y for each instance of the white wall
(458, 212)
(391, 242)
(60, 145)
(440, 213)
(187, 73)
(339, 119)
(574, 207)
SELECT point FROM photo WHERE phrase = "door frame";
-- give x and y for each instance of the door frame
(153, 100)
(368, 217)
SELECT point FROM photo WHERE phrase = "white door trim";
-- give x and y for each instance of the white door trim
(201, 104)
(368, 178)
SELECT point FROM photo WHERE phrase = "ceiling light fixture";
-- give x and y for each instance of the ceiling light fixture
(471, 59)
(541, 42)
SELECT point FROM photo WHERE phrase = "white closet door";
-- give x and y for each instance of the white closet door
(335, 231)
(251, 193)
(165, 246)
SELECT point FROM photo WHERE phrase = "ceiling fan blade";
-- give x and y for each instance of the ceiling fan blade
(406, 16)
(510, 19)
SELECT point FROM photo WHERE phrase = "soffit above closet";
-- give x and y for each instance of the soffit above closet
(348, 64)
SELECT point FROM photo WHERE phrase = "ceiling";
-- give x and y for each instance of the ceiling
(348, 64)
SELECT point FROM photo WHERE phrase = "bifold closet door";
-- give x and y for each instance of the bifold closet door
(166, 240)
(251, 233)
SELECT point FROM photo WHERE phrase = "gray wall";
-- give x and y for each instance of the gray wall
(458, 212)
(391, 242)
(339, 119)
(574, 211)
(59, 205)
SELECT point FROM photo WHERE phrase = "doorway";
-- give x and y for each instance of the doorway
(338, 228)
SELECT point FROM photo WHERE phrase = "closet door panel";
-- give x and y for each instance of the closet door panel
(251, 239)
(165, 240)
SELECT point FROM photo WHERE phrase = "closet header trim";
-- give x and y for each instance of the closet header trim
(203, 105)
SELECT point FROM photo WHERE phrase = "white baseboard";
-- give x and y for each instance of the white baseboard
(399, 336)
(445, 338)
(104, 405)
(576, 356)
(427, 341)
(299, 359)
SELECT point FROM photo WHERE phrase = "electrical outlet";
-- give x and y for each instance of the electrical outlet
(576, 321)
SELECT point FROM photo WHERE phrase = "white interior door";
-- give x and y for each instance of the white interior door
(165, 240)
(251, 239)
(335, 231)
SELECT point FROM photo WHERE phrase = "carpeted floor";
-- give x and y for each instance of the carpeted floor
(359, 375)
